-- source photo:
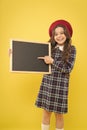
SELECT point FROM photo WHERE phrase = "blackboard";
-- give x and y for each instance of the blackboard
(25, 55)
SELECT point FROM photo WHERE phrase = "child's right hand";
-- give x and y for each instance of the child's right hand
(9, 52)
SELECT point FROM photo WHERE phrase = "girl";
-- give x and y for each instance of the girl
(53, 93)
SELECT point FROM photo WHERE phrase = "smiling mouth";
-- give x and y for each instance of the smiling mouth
(60, 39)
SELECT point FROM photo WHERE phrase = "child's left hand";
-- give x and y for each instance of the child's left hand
(47, 59)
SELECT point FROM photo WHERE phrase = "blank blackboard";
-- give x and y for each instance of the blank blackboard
(25, 55)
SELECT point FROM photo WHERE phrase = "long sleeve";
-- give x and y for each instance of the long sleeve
(68, 66)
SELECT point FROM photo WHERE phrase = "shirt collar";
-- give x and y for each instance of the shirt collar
(60, 47)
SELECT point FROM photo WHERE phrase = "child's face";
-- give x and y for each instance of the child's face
(59, 36)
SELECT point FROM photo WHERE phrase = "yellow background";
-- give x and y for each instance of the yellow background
(30, 20)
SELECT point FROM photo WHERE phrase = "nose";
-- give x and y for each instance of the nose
(59, 35)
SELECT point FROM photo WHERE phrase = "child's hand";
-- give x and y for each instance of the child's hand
(9, 52)
(47, 59)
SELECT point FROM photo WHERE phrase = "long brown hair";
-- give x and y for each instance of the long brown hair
(67, 44)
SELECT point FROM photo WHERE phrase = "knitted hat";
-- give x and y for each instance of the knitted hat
(61, 22)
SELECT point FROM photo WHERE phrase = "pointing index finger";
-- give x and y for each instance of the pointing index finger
(41, 58)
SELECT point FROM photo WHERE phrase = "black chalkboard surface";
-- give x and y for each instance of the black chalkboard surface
(25, 56)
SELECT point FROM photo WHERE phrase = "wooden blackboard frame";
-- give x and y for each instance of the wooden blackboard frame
(34, 48)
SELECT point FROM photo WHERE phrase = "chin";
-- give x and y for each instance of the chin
(61, 43)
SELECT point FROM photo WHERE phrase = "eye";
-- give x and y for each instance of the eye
(56, 34)
(62, 33)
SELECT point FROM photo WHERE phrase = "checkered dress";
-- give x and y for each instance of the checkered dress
(53, 93)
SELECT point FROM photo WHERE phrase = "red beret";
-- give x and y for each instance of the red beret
(61, 22)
